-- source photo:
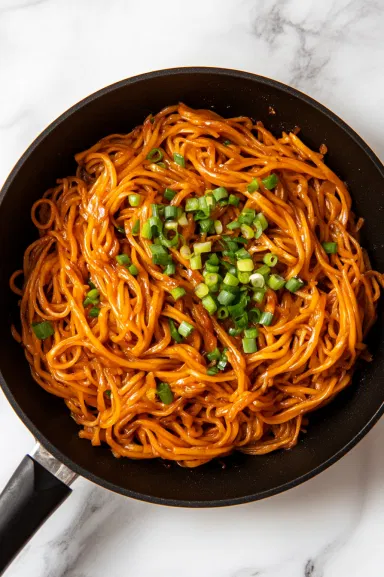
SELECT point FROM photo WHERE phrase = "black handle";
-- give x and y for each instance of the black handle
(29, 498)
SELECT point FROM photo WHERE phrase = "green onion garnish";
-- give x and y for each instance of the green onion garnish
(257, 280)
(164, 393)
(179, 159)
(134, 200)
(170, 269)
(233, 225)
(264, 270)
(170, 212)
(200, 247)
(270, 181)
(263, 221)
(43, 330)
(222, 313)
(211, 279)
(92, 298)
(227, 142)
(178, 292)
(253, 185)
(90, 284)
(270, 259)
(212, 371)
(218, 226)
(247, 216)
(330, 247)
(196, 263)
(294, 284)
(214, 259)
(220, 193)
(254, 317)
(258, 228)
(225, 297)
(120, 229)
(160, 255)
(245, 265)
(205, 225)
(244, 277)
(94, 312)
(223, 360)
(192, 204)
(209, 304)
(233, 332)
(146, 230)
(258, 295)
(183, 221)
(230, 279)
(169, 194)
(233, 200)
(211, 267)
(174, 334)
(133, 270)
(249, 345)
(201, 290)
(247, 231)
(185, 251)
(276, 282)
(136, 228)
(185, 329)
(242, 254)
(214, 355)
(266, 318)
(155, 155)
(123, 259)
(251, 333)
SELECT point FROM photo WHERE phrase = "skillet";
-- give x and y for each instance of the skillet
(42, 481)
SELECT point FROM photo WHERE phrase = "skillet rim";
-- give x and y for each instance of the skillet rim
(365, 149)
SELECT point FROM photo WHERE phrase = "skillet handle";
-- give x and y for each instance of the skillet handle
(29, 498)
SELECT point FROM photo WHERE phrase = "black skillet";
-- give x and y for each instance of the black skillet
(36, 490)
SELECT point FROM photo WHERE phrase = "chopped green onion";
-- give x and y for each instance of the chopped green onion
(276, 282)
(160, 255)
(223, 360)
(258, 295)
(179, 159)
(123, 259)
(220, 193)
(94, 312)
(230, 279)
(133, 270)
(233, 332)
(121, 229)
(196, 263)
(270, 181)
(90, 284)
(222, 313)
(156, 225)
(262, 220)
(108, 394)
(266, 318)
(136, 228)
(205, 225)
(164, 393)
(146, 230)
(233, 225)
(170, 269)
(183, 221)
(211, 267)
(330, 247)
(201, 290)
(170, 212)
(264, 270)
(174, 334)
(254, 317)
(185, 329)
(162, 164)
(258, 229)
(203, 205)
(43, 330)
(185, 252)
(244, 277)
(225, 297)
(155, 155)
(245, 265)
(294, 284)
(209, 304)
(227, 142)
(242, 254)
(233, 200)
(134, 200)
(214, 259)
(251, 333)
(169, 194)
(247, 231)
(270, 259)
(249, 345)
(192, 204)
(93, 295)
(200, 247)
(253, 185)
(257, 280)
(218, 226)
(178, 292)
(211, 279)
(247, 216)
(171, 225)
(212, 371)
(214, 355)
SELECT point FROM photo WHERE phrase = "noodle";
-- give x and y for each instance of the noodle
(155, 373)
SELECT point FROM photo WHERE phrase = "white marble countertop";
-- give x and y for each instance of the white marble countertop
(53, 53)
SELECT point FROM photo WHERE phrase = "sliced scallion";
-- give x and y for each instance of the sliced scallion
(169, 194)
(294, 284)
(270, 181)
(253, 186)
(155, 155)
(266, 318)
(201, 290)
(179, 159)
(43, 330)
(209, 304)
(270, 259)
(185, 329)
(174, 333)
(134, 200)
(330, 247)
(276, 282)
(164, 393)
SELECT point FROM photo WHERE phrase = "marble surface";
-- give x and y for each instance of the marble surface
(53, 53)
